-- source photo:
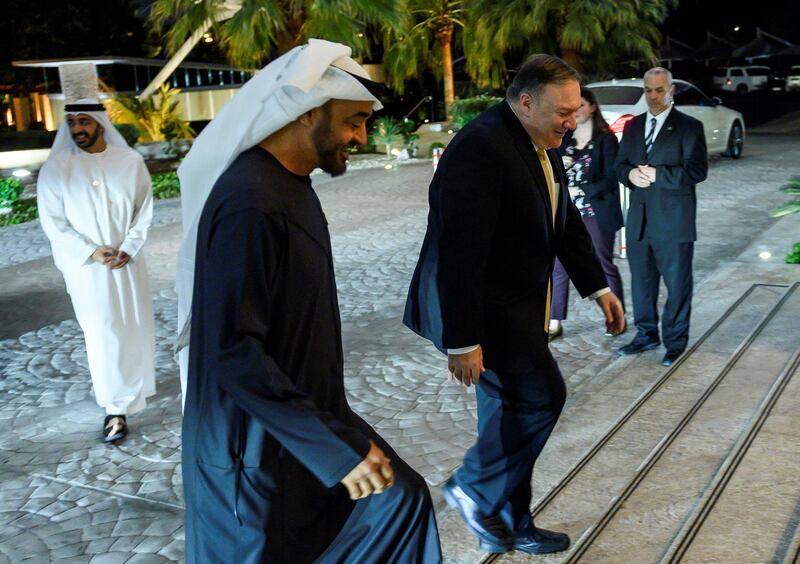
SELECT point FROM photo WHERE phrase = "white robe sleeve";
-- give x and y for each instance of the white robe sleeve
(67, 243)
(142, 213)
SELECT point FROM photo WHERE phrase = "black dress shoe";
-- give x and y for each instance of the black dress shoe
(541, 541)
(492, 532)
(670, 357)
(639, 344)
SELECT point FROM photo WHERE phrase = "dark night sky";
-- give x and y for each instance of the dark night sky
(690, 21)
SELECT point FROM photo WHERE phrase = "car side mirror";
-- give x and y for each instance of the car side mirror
(715, 101)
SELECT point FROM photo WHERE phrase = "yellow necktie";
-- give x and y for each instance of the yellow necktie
(546, 170)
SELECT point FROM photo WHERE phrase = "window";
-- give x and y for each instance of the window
(758, 71)
(737, 72)
(688, 95)
(617, 95)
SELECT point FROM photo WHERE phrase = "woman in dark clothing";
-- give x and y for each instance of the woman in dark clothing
(589, 153)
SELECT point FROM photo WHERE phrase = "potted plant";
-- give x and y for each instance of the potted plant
(792, 188)
(385, 130)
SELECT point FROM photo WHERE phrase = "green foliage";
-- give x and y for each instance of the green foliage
(467, 109)
(416, 46)
(129, 132)
(254, 30)
(410, 138)
(385, 130)
(794, 256)
(166, 185)
(10, 190)
(590, 35)
(435, 145)
(157, 118)
(21, 211)
(792, 187)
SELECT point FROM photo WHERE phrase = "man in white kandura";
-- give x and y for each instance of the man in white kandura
(95, 205)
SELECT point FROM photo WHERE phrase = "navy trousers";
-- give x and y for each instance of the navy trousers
(603, 242)
(516, 414)
(651, 260)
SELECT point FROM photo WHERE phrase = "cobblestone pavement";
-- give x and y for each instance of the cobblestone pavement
(69, 498)
(26, 242)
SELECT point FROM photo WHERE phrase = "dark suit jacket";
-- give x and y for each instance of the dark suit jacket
(602, 187)
(666, 210)
(490, 245)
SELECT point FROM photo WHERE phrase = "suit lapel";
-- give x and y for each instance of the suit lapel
(524, 146)
(637, 129)
(664, 135)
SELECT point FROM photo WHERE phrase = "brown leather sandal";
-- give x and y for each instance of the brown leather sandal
(115, 427)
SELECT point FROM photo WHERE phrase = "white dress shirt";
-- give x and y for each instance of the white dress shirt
(660, 119)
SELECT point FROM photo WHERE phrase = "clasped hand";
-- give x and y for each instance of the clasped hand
(642, 176)
(110, 257)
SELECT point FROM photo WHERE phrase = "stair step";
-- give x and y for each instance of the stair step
(655, 506)
(588, 480)
(752, 514)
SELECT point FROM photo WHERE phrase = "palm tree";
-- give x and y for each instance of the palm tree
(588, 34)
(432, 22)
(251, 31)
(156, 118)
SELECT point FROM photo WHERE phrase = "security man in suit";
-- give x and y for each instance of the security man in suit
(500, 214)
(661, 158)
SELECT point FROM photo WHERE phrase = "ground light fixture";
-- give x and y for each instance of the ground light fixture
(765, 255)
(21, 173)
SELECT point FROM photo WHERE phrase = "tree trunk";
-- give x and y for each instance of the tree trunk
(289, 37)
(572, 57)
(445, 36)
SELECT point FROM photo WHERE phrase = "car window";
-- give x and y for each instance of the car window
(737, 72)
(617, 95)
(720, 73)
(688, 95)
(796, 68)
(758, 72)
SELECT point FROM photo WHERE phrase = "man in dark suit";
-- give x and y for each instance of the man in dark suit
(661, 158)
(499, 215)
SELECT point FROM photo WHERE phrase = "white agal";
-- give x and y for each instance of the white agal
(621, 100)
(87, 200)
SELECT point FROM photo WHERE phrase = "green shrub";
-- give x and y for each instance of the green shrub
(129, 132)
(467, 109)
(166, 185)
(794, 256)
(21, 211)
(435, 145)
(10, 190)
(791, 188)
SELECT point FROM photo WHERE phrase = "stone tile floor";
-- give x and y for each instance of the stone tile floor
(68, 497)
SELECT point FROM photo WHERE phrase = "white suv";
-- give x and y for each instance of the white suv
(741, 79)
(793, 78)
